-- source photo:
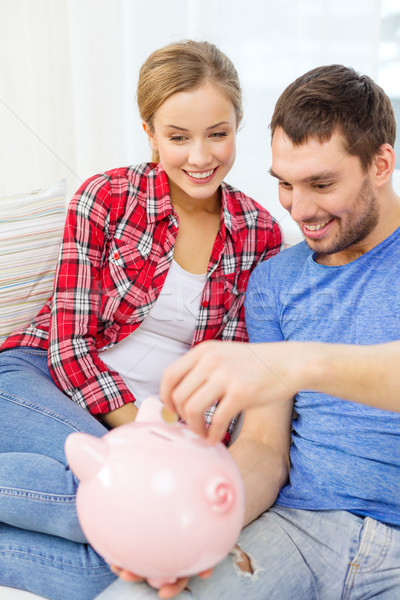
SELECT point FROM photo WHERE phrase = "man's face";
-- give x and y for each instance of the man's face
(328, 194)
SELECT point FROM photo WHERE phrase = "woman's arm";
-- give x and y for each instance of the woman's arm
(78, 300)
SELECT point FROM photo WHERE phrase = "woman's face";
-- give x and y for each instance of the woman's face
(194, 133)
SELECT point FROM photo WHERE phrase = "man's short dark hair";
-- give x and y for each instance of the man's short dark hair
(337, 97)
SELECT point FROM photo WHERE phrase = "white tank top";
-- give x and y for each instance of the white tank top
(164, 335)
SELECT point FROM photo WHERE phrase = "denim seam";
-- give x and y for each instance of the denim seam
(39, 409)
(355, 565)
(33, 351)
(381, 556)
(37, 496)
(33, 556)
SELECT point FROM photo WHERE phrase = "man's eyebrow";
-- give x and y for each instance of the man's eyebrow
(272, 172)
(311, 178)
(321, 176)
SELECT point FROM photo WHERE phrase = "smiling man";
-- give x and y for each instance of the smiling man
(329, 194)
(333, 168)
(323, 317)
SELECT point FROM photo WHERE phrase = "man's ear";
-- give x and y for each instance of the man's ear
(150, 134)
(383, 164)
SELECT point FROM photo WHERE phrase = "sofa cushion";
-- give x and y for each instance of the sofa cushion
(31, 226)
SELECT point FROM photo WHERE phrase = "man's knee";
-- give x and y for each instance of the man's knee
(244, 563)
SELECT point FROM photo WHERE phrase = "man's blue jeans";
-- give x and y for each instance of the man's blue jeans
(42, 547)
(298, 555)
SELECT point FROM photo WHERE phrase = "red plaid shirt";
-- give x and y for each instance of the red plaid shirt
(117, 248)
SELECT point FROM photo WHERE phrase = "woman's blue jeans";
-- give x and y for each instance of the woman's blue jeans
(42, 547)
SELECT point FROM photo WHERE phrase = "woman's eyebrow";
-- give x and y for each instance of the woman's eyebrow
(175, 127)
(208, 128)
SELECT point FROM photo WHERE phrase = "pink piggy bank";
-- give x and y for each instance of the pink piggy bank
(155, 498)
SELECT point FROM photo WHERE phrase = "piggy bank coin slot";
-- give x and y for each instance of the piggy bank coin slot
(163, 434)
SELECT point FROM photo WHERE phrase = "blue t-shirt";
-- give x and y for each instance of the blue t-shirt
(344, 455)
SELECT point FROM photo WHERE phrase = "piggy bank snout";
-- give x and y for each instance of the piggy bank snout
(85, 454)
(221, 494)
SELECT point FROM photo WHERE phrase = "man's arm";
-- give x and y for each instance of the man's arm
(243, 376)
(365, 374)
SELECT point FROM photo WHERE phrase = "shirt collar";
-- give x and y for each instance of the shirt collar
(159, 203)
(228, 212)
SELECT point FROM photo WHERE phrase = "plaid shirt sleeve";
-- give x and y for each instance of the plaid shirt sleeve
(73, 353)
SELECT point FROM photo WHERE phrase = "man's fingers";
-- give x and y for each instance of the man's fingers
(226, 410)
(203, 377)
(197, 402)
(173, 375)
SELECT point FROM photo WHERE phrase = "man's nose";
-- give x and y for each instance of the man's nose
(302, 207)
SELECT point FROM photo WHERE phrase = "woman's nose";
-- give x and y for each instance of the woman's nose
(199, 154)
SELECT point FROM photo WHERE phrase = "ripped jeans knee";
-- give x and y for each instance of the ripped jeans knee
(244, 564)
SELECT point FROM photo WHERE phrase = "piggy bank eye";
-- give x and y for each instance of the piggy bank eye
(221, 495)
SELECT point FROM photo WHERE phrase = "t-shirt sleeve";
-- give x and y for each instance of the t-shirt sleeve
(262, 308)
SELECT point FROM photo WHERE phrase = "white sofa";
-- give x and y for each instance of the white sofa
(30, 232)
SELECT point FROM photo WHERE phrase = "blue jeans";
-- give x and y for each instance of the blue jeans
(298, 555)
(294, 554)
(42, 547)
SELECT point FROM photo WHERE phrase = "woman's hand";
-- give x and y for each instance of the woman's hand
(169, 590)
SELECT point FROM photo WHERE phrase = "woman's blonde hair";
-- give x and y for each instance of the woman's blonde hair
(183, 66)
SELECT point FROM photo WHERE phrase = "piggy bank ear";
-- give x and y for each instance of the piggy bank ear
(221, 494)
(150, 411)
(85, 454)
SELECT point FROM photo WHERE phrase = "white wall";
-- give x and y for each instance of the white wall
(68, 72)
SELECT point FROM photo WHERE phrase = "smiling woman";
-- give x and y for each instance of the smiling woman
(194, 134)
(155, 259)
